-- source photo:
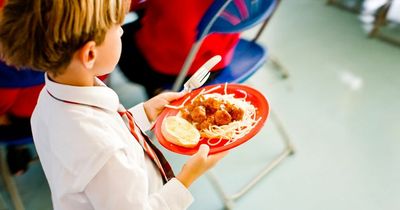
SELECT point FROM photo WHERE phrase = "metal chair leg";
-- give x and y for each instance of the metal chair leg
(2, 204)
(9, 182)
(229, 200)
(380, 20)
(279, 67)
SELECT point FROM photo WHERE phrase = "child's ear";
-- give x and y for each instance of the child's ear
(87, 54)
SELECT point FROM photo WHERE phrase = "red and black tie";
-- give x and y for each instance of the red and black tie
(151, 150)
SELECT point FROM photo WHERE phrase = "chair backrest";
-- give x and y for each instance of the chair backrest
(226, 16)
(12, 78)
(230, 16)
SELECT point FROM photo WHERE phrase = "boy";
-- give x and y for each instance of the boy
(91, 159)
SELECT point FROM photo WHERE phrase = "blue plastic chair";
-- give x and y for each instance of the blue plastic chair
(230, 16)
(10, 78)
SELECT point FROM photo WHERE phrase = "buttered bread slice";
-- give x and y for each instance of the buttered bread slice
(180, 132)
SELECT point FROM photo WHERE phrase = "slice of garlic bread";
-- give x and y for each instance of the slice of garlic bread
(180, 132)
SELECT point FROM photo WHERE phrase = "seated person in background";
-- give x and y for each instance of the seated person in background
(16, 107)
(93, 151)
(155, 47)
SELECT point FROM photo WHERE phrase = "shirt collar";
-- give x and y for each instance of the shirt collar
(99, 95)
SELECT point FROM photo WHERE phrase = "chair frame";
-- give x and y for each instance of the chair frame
(9, 182)
(288, 146)
(288, 150)
(196, 46)
(380, 20)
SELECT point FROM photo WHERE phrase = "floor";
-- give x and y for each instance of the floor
(339, 105)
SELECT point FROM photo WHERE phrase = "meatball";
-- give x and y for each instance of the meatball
(206, 123)
(198, 114)
(186, 114)
(237, 113)
(203, 125)
(212, 105)
(190, 107)
(222, 117)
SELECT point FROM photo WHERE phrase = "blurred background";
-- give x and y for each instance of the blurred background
(339, 104)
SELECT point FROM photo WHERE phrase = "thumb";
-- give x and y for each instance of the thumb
(203, 151)
(170, 96)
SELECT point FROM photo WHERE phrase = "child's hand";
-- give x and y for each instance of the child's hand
(198, 164)
(155, 105)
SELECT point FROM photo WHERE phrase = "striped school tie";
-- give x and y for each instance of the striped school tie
(151, 150)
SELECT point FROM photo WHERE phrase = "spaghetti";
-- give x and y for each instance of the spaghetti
(231, 119)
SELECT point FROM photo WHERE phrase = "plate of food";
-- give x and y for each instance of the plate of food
(222, 116)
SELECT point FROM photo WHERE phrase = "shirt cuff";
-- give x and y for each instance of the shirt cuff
(140, 117)
(176, 188)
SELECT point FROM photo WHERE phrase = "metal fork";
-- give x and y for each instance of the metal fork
(201, 75)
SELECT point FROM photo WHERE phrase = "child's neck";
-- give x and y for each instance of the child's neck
(74, 76)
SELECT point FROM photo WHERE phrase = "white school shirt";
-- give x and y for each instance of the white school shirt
(91, 160)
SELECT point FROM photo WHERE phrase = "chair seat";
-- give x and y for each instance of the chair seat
(247, 59)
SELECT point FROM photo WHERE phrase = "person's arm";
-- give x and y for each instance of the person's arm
(140, 116)
(200, 162)
(123, 184)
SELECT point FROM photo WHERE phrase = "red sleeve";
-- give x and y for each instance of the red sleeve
(1, 3)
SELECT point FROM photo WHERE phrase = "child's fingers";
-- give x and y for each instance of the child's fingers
(216, 157)
(170, 96)
(203, 151)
